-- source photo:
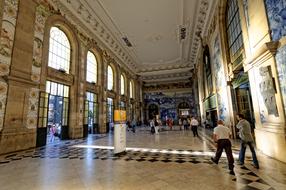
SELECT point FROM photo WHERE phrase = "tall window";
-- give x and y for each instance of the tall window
(131, 89)
(91, 68)
(59, 50)
(234, 33)
(122, 85)
(109, 78)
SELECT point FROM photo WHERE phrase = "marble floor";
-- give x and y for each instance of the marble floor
(171, 160)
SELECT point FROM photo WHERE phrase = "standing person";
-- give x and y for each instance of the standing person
(171, 124)
(221, 136)
(185, 123)
(246, 139)
(133, 124)
(156, 126)
(180, 124)
(152, 125)
(194, 126)
(52, 133)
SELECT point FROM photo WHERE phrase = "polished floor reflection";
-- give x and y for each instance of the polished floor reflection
(171, 160)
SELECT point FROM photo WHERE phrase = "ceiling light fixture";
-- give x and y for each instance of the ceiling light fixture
(127, 42)
(183, 32)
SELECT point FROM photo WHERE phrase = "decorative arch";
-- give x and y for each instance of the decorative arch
(123, 76)
(111, 67)
(153, 109)
(62, 24)
(98, 56)
(131, 89)
(91, 67)
(59, 50)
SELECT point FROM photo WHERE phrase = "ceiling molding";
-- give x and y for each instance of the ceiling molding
(97, 19)
(203, 12)
(91, 25)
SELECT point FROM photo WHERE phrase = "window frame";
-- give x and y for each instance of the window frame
(94, 65)
(57, 48)
(108, 80)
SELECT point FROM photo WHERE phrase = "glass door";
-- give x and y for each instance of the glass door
(109, 116)
(55, 112)
(90, 114)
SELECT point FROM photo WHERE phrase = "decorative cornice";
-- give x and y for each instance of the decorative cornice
(199, 26)
(89, 25)
(262, 54)
(186, 86)
(169, 76)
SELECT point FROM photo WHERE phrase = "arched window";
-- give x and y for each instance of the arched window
(122, 85)
(91, 68)
(109, 78)
(131, 89)
(234, 33)
(59, 50)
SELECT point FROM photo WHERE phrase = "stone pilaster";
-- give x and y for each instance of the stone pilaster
(22, 95)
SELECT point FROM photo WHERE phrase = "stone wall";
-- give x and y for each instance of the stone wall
(266, 71)
(25, 26)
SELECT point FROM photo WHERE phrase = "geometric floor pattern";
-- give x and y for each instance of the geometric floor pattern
(244, 177)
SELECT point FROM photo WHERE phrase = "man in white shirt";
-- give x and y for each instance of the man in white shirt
(194, 126)
(221, 136)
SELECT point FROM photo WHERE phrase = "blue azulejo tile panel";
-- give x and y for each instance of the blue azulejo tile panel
(167, 103)
(276, 12)
(220, 80)
(281, 71)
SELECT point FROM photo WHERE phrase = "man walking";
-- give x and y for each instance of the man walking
(246, 139)
(221, 137)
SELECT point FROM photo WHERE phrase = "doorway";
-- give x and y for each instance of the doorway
(153, 110)
(53, 114)
(109, 116)
(90, 114)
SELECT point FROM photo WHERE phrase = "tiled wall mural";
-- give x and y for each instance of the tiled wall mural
(276, 11)
(220, 81)
(281, 70)
(265, 93)
(3, 97)
(6, 46)
(42, 14)
(168, 102)
(32, 114)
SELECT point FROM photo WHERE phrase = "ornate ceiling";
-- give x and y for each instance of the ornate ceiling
(162, 33)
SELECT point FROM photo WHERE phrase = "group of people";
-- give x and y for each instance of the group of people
(222, 135)
(155, 125)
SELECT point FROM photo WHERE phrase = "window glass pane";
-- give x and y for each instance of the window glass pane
(122, 86)
(66, 91)
(48, 87)
(53, 88)
(131, 90)
(60, 90)
(233, 28)
(109, 78)
(59, 50)
(91, 68)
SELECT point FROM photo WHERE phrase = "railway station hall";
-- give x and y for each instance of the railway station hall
(142, 94)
